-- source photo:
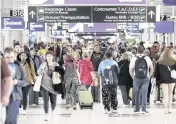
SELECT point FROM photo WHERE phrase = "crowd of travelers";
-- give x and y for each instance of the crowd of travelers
(101, 67)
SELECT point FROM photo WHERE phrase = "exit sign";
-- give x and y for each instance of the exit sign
(17, 13)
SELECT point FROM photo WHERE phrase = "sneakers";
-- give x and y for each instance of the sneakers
(74, 108)
(145, 113)
(107, 112)
(166, 111)
(67, 106)
(114, 112)
(22, 112)
(137, 112)
(46, 117)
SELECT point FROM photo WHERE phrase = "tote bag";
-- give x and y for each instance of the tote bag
(56, 78)
(37, 84)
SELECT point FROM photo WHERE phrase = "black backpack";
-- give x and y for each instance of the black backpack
(141, 68)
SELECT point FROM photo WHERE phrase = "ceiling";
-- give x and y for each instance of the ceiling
(165, 10)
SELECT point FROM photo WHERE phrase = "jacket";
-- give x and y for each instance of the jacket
(124, 76)
(85, 67)
(163, 75)
(20, 76)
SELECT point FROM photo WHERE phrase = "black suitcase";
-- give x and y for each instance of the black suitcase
(95, 90)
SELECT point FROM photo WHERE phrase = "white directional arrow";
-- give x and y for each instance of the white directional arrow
(32, 13)
(151, 13)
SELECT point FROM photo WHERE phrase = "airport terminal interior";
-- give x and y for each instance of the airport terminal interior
(114, 21)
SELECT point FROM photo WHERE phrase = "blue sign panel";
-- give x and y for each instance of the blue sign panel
(164, 27)
(169, 2)
(36, 27)
(12, 23)
(133, 28)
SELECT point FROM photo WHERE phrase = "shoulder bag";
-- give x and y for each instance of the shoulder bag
(173, 73)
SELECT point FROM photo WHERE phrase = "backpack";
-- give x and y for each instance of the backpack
(110, 75)
(141, 68)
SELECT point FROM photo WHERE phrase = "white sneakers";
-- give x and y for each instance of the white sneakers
(112, 112)
(46, 117)
(22, 112)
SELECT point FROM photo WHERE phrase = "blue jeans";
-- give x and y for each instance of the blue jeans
(12, 112)
(140, 86)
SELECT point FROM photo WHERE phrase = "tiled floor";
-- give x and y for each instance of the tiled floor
(35, 115)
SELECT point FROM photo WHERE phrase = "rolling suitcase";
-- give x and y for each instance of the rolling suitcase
(85, 99)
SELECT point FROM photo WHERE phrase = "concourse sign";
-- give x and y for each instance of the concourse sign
(92, 14)
(119, 14)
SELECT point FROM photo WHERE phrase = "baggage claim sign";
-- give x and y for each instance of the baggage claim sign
(92, 14)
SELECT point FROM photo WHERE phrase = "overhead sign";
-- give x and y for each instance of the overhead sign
(151, 14)
(133, 28)
(54, 14)
(12, 23)
(17, 13)
(36, 27)
(127, 2)
(164, 27)
(32, 14)
(169, 2)
(92, 14)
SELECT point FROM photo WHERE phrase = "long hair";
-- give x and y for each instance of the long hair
(167, 57)
(28, 60)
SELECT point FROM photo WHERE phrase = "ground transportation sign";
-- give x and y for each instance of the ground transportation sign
(92, 14)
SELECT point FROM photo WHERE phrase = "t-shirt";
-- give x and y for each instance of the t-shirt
(133, 61)
(12, 68)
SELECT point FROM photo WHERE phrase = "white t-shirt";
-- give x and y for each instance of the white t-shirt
(148, 60)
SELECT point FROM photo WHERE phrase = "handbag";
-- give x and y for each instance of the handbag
(173, 73)
(37, 84)
(56, 78)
